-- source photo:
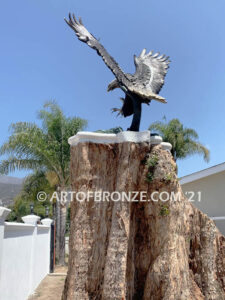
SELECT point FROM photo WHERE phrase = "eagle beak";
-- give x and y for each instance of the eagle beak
(113, 85)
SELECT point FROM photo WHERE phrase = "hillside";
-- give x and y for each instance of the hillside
(9, 188)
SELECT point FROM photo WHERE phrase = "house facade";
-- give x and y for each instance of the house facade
(206, 189)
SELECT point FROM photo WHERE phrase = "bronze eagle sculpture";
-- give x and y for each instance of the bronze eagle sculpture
(141, 87)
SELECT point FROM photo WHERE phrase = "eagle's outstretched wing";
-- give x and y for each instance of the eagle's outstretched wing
(85, 36)
(150, 73)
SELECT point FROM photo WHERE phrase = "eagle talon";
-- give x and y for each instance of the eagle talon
(117, 110)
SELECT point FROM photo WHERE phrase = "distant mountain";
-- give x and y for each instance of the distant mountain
(9, 188)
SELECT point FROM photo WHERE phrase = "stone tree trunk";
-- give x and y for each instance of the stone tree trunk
(138, 249)
(60, 221)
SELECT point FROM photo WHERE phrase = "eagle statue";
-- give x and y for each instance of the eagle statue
(141, 87)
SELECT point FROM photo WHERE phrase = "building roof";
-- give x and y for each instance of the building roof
(202, 174)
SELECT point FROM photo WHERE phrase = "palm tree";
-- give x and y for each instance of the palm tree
(32, 184)
(44, 149)
(183, 140)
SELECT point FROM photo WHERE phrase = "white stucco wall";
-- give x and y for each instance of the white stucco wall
(212, 190)
(16, 259)
(41, 255)
(25, 259)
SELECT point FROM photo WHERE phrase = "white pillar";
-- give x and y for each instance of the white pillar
(32, 220)
(3, 214)
(48, 222)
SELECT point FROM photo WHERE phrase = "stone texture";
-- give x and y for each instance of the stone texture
(139, 250)
(166, 146)
(156, 139)
(106, 138)
(95, 137)
(133, 136)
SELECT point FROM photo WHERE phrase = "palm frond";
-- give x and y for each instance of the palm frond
(197, 148)
(12, 164)
(29, 145)
(184, 140)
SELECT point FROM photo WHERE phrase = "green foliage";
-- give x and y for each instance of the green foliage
(151, 162)
(183, 140)
(68, 222)
(164, 211)
(168, 177)
(44, 150)
(149, 176)
(32, 185)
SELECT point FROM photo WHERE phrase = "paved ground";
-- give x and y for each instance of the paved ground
(51, 286)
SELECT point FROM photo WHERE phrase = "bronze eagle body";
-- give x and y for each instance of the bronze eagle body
(141, 87)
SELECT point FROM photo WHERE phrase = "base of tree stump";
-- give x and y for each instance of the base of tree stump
(138, 250)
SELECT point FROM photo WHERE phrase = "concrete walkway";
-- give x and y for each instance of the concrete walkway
(51, 286)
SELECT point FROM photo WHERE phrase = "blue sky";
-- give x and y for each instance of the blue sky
(42, 60)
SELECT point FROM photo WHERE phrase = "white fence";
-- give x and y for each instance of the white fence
(24, 255)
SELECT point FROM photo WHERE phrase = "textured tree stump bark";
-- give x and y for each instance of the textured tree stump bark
(138, 250)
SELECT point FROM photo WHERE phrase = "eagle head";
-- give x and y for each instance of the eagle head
(113, 85)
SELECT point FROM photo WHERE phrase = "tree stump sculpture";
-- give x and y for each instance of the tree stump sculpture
(138, 249)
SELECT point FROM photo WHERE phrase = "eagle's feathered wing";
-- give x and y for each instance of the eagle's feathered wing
(85, 36)
(150, 70)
